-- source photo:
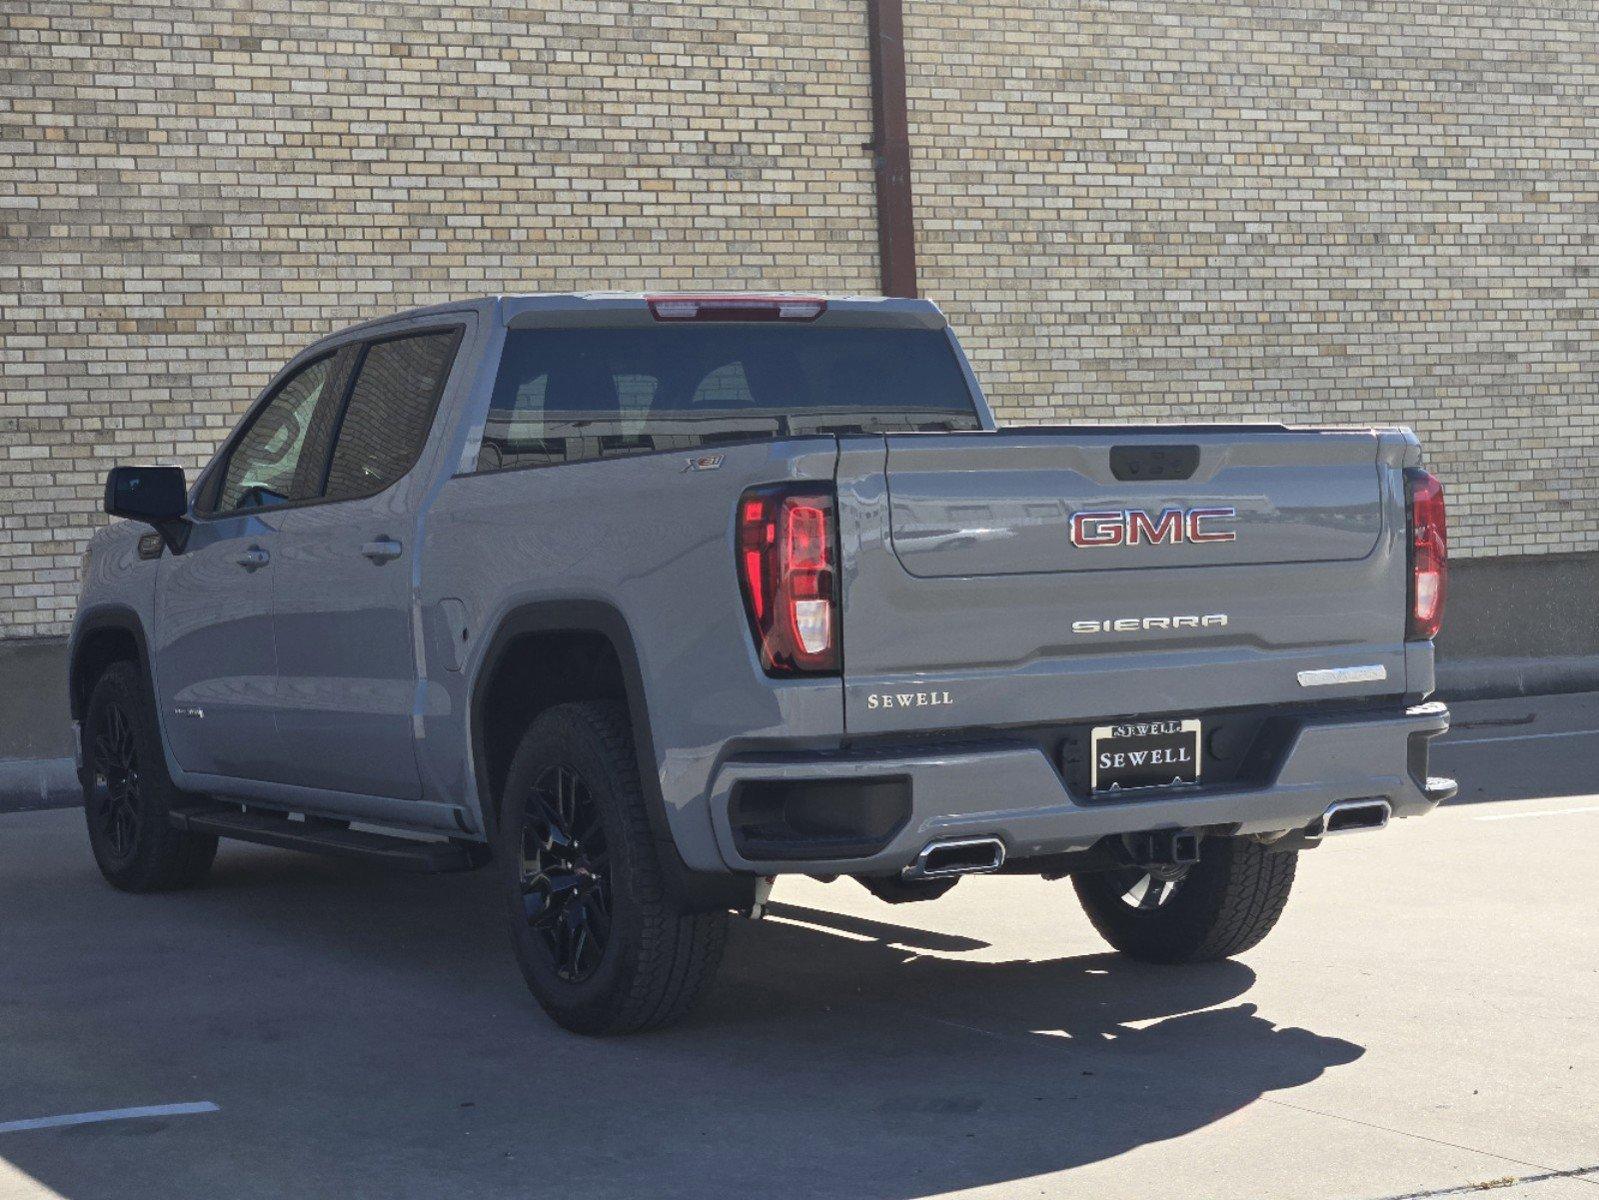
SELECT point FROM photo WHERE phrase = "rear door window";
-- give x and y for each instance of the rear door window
(397, 387)
(571, 395)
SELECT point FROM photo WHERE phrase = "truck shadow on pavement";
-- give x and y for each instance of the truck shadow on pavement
(367, 1035)
(1017, 1068)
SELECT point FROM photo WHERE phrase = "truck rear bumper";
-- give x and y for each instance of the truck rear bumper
(1014, 792)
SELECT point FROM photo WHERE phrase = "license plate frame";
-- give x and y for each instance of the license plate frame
(1176, 740)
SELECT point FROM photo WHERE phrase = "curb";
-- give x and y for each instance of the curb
(30, 784)
(1498, 677)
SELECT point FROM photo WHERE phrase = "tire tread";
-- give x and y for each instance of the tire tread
(680, 952)
(1225, 907)
(677, 952)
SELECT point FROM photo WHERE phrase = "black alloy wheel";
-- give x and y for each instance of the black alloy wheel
(566, 874)
(605, 940)
(115, 804)
(128, 794)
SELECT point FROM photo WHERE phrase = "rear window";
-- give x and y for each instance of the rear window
(571, 395)
(390, 411)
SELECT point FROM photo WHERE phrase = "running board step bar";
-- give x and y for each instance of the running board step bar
(433, 857)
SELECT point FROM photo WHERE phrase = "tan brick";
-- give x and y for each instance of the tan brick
(1132, 212)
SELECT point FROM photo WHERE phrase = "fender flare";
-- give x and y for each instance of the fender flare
(91, 621)
(575, 616)
(699, 890)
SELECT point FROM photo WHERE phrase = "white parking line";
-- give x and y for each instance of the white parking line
(1517, 737)
(110, 1114)
(1548, 812)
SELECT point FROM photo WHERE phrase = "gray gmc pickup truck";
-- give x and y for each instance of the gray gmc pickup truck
(649, 599)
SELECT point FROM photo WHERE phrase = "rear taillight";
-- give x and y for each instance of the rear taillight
(788, 572)
(724, 307)
(1429, 555)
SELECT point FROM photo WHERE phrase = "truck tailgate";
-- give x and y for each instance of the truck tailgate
(973, 599)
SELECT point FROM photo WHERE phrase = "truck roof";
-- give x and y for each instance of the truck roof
(577, 308)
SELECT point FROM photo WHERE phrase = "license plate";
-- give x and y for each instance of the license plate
(1145, 754)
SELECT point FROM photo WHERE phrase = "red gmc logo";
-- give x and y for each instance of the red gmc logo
(1132, 526)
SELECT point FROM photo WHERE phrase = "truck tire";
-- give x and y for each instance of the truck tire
(1223, 905)
(600, 940)
(129, 793)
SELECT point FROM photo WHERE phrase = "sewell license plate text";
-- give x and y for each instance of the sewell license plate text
(1145, 754)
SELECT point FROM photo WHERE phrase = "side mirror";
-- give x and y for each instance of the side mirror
(158, 496)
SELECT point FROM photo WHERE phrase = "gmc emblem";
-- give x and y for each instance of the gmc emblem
(1133, 526)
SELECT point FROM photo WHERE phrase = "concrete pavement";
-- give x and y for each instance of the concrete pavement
(1425, 1021)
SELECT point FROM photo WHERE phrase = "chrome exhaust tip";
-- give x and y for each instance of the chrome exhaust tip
(958, 856)
(1353, 816)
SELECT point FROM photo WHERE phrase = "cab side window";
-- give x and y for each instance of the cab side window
(264, 468)
(390, 410)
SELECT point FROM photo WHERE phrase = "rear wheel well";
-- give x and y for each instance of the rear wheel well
(567, 652)
(97, 651)
(536, 671)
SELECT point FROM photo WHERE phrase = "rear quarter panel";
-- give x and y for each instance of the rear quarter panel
(653, 540)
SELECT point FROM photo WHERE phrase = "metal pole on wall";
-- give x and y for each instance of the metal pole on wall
(891, 149)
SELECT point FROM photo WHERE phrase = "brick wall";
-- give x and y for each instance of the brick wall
(1355, 212)
(189, 195)
(1351, 212)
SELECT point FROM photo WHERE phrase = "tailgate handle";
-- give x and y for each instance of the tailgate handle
(1153, 462)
